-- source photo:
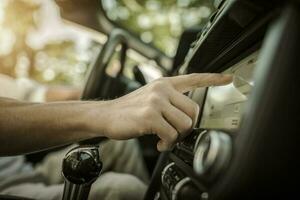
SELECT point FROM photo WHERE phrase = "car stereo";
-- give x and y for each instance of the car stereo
(222, 110)
(207, 149)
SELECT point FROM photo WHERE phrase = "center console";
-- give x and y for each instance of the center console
(200, 158)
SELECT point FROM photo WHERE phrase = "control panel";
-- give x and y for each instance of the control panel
(197, 161)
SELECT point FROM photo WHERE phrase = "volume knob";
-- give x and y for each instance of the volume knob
(212, 153)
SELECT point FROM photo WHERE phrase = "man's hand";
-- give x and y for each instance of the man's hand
(159, 108)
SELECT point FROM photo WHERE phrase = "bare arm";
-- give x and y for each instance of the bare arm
(27, 127)
(157, 108)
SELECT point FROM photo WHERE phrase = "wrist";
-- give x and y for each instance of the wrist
(96, 118)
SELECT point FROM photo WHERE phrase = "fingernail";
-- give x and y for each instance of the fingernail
(159, 146)
(228, 77)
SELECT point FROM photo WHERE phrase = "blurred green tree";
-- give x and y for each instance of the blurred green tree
(159, 22)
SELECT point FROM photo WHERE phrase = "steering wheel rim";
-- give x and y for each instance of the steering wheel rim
(96, 80)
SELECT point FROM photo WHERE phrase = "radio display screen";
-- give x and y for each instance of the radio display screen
(224, 105)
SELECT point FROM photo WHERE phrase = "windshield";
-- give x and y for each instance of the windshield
(159, 22)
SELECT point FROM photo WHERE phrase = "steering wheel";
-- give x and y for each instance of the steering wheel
(100, 85)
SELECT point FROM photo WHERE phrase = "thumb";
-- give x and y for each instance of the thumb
(185, 83)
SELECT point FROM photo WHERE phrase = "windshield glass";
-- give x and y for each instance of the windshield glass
(159, 22)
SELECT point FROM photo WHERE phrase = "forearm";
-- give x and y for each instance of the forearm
(27, 127)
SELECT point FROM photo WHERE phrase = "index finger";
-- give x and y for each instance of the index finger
(185, 83)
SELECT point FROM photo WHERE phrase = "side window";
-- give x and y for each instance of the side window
(36, 43)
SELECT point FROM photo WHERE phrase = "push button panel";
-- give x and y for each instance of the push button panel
(193, 164)
(207, 152)
(178, 186)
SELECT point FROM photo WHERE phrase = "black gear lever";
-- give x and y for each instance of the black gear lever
(81, 167)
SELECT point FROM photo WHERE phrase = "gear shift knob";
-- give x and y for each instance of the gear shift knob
(81, 167)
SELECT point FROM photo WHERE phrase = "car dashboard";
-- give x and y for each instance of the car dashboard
(229, 154)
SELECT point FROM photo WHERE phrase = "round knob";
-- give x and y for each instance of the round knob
(212, 153)
(82, 165)
(185, 189)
